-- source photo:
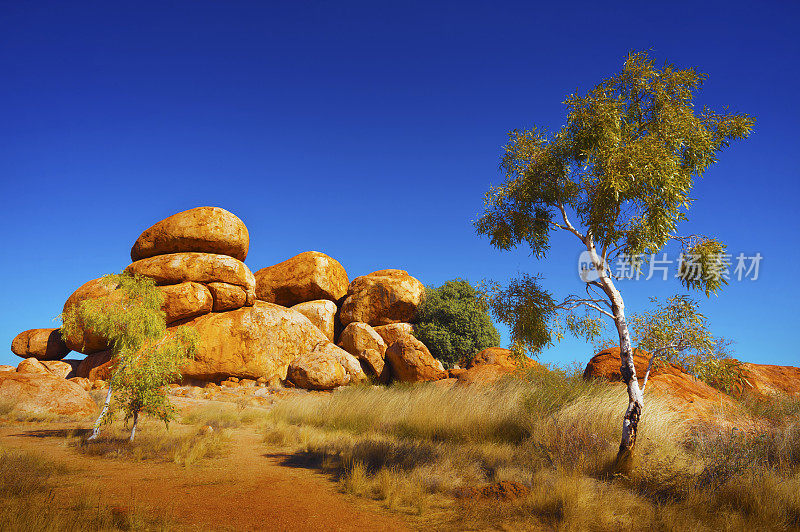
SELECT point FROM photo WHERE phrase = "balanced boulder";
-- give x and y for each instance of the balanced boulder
(321, 313)
(305, 277)
(410, 361)
(382, 297)
(203, 229)
(44, 393)
(197, 267)
(42, 344)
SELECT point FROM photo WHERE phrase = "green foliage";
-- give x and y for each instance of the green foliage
(623, 165)
(453, 322)
(676, 332)
(146, 358)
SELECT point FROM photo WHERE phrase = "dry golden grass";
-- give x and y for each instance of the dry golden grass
(411, 447)
(26, 503)
(183, 445)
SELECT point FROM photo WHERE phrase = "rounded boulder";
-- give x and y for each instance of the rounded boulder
(42, 344)
(382, 297)
(305, 277)
(202, 229)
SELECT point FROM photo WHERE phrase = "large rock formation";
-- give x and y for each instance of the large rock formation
(44, 393)
(305, 277)
(382, 297)
(410, 361)
(322, 313)
(42, 344)
(203, 229)
(251, 342)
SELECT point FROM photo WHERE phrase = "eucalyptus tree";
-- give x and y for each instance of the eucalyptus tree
(617, 178)
(146, 357)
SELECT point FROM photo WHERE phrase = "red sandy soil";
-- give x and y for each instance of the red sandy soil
(248, 489)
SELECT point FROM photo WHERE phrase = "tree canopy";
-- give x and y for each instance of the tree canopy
(453, 322)
(145, 356)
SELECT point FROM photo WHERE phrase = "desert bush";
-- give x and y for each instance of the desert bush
(453, 322)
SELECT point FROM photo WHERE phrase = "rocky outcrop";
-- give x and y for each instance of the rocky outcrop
(502, 357)
(203, 229)
(382, 297)
(44, 393)
(410, 361)
(6, 367)
(251, 342)
(693, 398)
(197, 267)
(185, 300)
(350, 363)
(42, 344)
(305, 277)
(771, 380)
(322, 313)
(317, 370)
(394, 331)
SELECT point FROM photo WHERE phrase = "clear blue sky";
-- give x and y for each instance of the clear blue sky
(368, 131)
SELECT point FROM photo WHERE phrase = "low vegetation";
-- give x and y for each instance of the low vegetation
(415, 448)
(27, 504)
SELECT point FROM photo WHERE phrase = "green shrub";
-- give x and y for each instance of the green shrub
(453, 322)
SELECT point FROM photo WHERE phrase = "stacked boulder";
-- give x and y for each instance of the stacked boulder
(279, 324)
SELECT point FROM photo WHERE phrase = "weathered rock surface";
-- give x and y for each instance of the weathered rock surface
(251, 342)
(197, 267)
(322, 313)
(31, 365)
(203, 229)
(410, 361)
(771, 380)
(394, 331)
(40, 393)
(85, 340)
(317, 370)
(481, 374)
(86, 384)
(6, 367)
(305, 277)
(361, 341)
(42, 344)
(185, 300)
(358, 336)
(228, 296)
(502, 357)
(57, 368)
(606, 365)
(350, 363)
(382, 297)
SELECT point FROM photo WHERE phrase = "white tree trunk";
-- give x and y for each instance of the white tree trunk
(135, 422)
(99, 422)
(630, 423)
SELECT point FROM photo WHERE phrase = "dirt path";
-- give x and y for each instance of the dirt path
(245, 490)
